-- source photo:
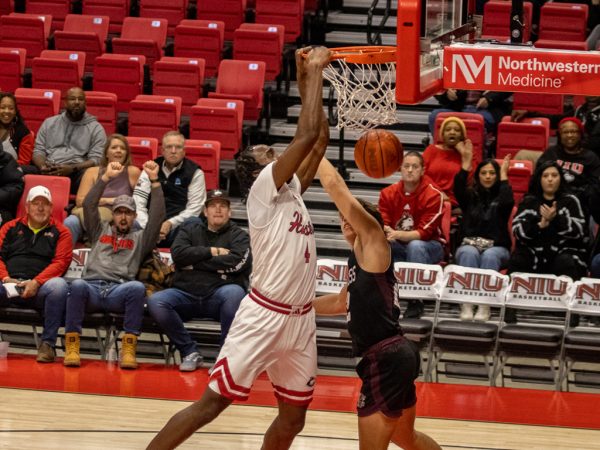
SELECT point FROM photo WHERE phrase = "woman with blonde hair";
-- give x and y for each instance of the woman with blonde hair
(116, 150)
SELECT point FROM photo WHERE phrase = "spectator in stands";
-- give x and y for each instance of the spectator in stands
(16, 138)
(486, 207)
(589, 114)
(213, 262)
(11, 186)
(115, 150)
(35, 251)
(70, 142)
(443, 161)
(183, 185)
(489, 105)
(412, 213)
(108, 280)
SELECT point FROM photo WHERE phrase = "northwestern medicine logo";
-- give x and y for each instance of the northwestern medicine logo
(521, 71)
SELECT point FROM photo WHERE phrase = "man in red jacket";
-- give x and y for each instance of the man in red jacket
(35, 251)
(412, 214)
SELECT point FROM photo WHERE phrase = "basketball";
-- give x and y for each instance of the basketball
(378, 153)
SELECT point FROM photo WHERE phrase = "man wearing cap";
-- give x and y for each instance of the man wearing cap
(108, 281)
(35, 251)
(183, 185)
(213, 262)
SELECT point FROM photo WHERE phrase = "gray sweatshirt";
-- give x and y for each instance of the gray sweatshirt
(115, 257)
(67, 142)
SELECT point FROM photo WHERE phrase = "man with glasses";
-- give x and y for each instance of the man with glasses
(108, 281)
(183, 185)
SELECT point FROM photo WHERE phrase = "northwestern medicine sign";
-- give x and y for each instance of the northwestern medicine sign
(493, 67)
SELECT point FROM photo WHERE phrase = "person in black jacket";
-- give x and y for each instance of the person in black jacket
(486, 208)
(213, 262)
(11, 186)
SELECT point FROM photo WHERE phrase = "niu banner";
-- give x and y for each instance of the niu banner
(495, 68)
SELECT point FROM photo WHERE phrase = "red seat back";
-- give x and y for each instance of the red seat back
(519, 174)
(36, 105)
(496, 20)
(58, 69)
(58, 9)
(174, 11)
(84, 33)
(230, 12)
(154, 115)
(60, 188)
(142, 149)
(28, 31)
(182, 77)
(103, 105)
(541, 103)
(117, 10)
(532, 133)
(121, 74)
(563, 21)
(12, 61)
(289, 13)
(260, 42)
(218, 120)
(142, 36)
(207, 155)
(201, 39)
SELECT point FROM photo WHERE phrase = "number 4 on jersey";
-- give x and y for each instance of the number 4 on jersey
(306, 255)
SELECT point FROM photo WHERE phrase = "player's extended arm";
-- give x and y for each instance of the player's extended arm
(331, 304)
(372, 242)
(308, 168)
(309, 63)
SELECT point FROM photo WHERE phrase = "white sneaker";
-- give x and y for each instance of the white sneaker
(191, 362)
(483, 313)
(466, 312)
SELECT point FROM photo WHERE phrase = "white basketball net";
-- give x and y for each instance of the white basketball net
(365, 96)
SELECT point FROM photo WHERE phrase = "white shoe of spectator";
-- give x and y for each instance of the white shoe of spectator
(466, 312)
(483, 313)
(191, 362)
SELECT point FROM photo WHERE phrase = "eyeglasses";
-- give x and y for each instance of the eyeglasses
(173, 147)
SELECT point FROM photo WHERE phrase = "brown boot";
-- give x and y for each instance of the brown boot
(46, 353)
(128, 349)
(72, 350)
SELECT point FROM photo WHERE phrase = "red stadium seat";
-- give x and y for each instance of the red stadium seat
(58, 69)
(561, 45)
(60, 188)
(142, 149)
(519, 174)
(475, 131)
(117, 10)
(219, 120)
(173, 10)
(121, 74)
(36, 105)
(154, 115)
(84, 33)
(28, 31)
(496, 20)
(289, 13)
(103, 105)
(230, 12)
(201, 39)
(260, 42)
(12, 61)
(532, 133)
(541, 103)
(58, 9)
(563, 21)
(242, 80)
(207, 155)
(142, 36)
(182, 77)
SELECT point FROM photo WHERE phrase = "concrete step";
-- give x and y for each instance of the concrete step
(358, 20)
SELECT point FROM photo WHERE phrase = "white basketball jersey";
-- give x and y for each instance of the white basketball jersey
(284, 257)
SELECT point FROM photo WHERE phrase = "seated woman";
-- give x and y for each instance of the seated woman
(486, 208)
(115, 150)
(443, 161)
(15, 137)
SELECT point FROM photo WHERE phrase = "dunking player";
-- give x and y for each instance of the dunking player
(389, 362)
(274, 328)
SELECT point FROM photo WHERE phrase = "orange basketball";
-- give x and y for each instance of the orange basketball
(378, 153)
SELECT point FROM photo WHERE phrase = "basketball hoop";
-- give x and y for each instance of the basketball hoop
(363, 79)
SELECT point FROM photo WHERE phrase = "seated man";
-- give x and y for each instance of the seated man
(35, 251)
(412, 214)
(108, 280)
(11, 186)
(183, 185)
(70, 142)
(213, 263)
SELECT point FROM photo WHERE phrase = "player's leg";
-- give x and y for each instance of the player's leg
(405, 436)
(183, 424)
(375, 431)
(288, 423)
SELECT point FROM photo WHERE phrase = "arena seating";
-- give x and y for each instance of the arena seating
(117, 10)
(201, 39)
(58, 9)
(496, 20)
(103, 105)
(540, 103)
(475, 130)
(289, 13)
(120, 74)
(182, 77)
(207, 154)
(58, 186)
(12, 61)
(172, 10)
(230, 12)
(563, 21)
(154, 115)
(260, 42)
(28, 31)
(36, 105)
(58, 69)
(531, 133)
(142, 36)
(142, 149)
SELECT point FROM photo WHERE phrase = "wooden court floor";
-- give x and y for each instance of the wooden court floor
(99, 406)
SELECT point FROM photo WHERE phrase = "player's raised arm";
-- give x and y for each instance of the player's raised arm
(309, 65)
(371, 243)
(307, 170)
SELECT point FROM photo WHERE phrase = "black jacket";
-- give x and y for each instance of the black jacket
(197, 271)
(498, 102)
(11, 186)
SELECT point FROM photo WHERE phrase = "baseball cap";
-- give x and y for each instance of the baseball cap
(124, 201)
(39, 191)
(217, 194)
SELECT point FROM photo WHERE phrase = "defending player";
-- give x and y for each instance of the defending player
(274, 328)
(390, 362)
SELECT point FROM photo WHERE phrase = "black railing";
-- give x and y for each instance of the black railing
(374, 31)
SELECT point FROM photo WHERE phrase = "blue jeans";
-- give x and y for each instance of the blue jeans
(488, 118)
(171, 307)
(50, 299)
(74, 225)
(106, 296)
(595, 267)
(494, 258)
(417, 251)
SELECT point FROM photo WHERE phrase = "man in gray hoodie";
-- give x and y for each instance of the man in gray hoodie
(108, 281)
(70, 142)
